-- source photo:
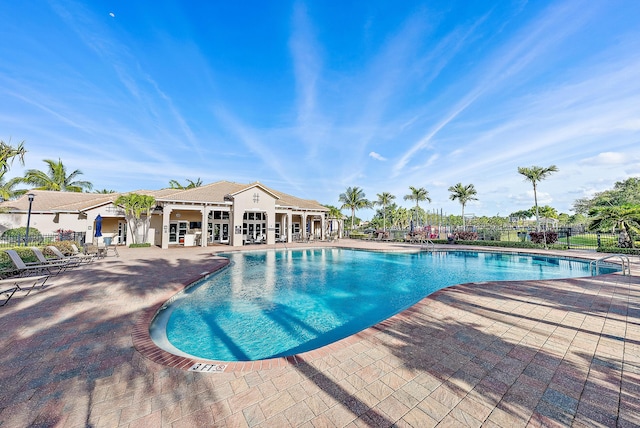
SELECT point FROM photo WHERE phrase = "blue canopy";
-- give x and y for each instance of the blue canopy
(98, 226)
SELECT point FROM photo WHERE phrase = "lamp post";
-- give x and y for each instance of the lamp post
(26, 235)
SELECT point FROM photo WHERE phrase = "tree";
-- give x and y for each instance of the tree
(354, 199)
(335, 214)
(417, 195)
(135, 206)
(384, 199)
(56, 178)
(174, 184)
(521, 215)
(463, 194)
(104, 191)
(625, 218)
(8, 153)
(7, 188)
(625, 192)
(401, 218)
(536, 174)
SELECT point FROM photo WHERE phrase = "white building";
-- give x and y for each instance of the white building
(218, 213)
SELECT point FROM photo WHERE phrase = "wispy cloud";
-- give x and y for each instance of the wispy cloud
(377, 156)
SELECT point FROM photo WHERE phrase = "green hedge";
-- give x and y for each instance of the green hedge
(618, 250)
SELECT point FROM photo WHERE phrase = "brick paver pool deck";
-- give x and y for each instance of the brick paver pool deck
(495, 354)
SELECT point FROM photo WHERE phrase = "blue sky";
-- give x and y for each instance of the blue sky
(311, 98)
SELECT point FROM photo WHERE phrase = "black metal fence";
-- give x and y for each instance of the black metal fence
(39, 239)
(574, 237)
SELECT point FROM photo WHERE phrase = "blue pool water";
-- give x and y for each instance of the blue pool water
(278, 303)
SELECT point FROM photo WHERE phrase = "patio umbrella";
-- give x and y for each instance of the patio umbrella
(411, 227)
(98, 226)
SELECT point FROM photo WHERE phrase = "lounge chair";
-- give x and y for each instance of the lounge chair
(23, 270)
(22, 284)
(67, 263)
(79, 259)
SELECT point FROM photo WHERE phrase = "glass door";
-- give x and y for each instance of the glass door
(173, 233)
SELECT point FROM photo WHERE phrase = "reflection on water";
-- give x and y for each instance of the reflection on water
(277, 303)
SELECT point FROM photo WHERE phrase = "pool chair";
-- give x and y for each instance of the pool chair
(23, 270)
(68, 263)
(8, 287)
(79, 259)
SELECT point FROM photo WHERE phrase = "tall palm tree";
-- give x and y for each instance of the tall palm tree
(384, 199)
(8, 153)
(56, 178)
(463, 194)
(354, 199)
(7, 189)
(535, 174)
(175, 184)
(418, 195)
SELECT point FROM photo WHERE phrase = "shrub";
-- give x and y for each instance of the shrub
(139, 245)
(64, 246)
(20, 232)
(618, 250)
(465, 236)
(539, 237)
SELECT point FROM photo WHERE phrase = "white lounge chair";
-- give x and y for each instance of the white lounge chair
(23, 270)
(79, 259)
(66, 263)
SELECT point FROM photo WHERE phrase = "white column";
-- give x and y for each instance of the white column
(166, 215)
(205, 225)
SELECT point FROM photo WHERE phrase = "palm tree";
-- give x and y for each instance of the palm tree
(8, 153)
(174, 184)
(384, 199)
(354, 199)
(134, 206)
(535, 174)
(417, 195)
(104, 191)
(626, 218)
(334, 214)
(7, 189)
(463, 194)
(56, 178)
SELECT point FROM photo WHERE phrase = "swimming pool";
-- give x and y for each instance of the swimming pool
(276, 303)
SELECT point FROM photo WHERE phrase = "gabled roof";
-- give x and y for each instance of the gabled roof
(50, 201)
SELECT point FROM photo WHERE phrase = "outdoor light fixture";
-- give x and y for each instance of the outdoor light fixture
(26, 234)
